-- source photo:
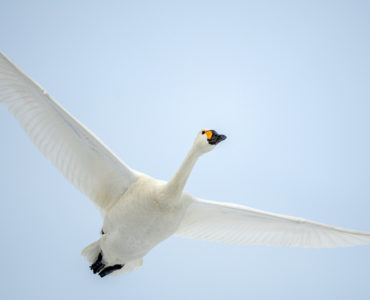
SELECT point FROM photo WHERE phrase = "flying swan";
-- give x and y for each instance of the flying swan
(139, 211)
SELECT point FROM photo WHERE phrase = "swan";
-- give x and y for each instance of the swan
(139, 211)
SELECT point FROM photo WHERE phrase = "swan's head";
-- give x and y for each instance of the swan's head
(207, 140)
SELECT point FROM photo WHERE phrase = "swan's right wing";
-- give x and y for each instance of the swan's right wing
(236, 224)
(81, 157)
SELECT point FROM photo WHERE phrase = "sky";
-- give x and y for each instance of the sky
(286, 81)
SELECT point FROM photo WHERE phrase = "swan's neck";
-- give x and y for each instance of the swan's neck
(176, 185)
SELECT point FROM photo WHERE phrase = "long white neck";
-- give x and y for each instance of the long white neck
(176, 185)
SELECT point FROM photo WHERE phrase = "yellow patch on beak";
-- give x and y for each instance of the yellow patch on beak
(209, 134)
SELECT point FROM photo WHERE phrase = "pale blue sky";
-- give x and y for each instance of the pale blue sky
(286, 81)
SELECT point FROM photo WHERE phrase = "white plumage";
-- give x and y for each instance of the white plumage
(139, 211)
(236, 224)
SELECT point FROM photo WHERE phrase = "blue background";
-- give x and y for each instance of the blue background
(286, 81)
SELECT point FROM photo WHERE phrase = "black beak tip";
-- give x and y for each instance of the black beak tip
(216, 138)
(222, 137)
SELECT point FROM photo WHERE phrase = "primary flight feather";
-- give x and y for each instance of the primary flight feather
(139, 211)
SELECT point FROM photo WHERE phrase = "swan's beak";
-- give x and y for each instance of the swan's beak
(214, 138)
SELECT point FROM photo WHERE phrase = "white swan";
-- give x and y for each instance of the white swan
(139, 211)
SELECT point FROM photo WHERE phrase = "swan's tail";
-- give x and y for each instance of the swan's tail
(91, 252)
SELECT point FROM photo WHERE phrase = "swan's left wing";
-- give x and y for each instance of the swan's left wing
(81, 157)
(236, 224)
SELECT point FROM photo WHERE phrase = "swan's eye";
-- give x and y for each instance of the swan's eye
(203, 132)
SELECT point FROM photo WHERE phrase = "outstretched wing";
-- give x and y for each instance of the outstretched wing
(236, 224)
(82, 158)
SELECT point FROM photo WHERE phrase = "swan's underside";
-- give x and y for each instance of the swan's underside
(97, 172)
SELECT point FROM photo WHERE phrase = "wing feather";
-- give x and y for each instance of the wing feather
(236, 224)
(80, 156)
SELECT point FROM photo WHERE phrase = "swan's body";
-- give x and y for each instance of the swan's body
(143, 217)
(139, 211)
